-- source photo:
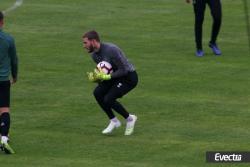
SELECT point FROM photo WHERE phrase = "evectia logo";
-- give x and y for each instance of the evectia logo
(224, 157)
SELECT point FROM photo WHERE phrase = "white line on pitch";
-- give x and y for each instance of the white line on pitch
(14, 6)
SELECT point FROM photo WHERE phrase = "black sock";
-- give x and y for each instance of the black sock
(5, 124)
(0, 126)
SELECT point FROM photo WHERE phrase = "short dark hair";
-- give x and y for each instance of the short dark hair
(92, 35)
(1, 16)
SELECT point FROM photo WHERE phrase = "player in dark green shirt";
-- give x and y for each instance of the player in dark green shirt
(8, 66)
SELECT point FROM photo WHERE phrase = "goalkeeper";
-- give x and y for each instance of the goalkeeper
(111, 86)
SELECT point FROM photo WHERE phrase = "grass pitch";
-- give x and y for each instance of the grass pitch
(185, 105)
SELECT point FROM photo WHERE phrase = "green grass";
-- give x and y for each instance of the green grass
(186, 105)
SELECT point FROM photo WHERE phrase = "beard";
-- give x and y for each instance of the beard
(91, 49)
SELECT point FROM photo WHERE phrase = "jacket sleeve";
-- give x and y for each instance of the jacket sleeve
(118, 60)
(13, 59)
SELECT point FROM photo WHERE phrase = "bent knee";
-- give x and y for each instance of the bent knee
(108, 101)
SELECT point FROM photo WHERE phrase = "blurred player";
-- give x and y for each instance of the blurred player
(216, 12)
(111, 86)
(8, 65)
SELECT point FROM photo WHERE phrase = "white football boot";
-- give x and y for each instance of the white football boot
(5, 146)
(130, 125)
(112, 125)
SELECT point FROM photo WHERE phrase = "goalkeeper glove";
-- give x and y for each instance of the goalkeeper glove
(98, 74)
(92, 77)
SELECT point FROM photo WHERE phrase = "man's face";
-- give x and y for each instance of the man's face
(88, 45)
(1, 23)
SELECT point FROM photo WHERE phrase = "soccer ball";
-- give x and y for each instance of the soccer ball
(105, 67)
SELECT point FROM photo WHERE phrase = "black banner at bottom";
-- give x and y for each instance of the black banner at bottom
(227, 156)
